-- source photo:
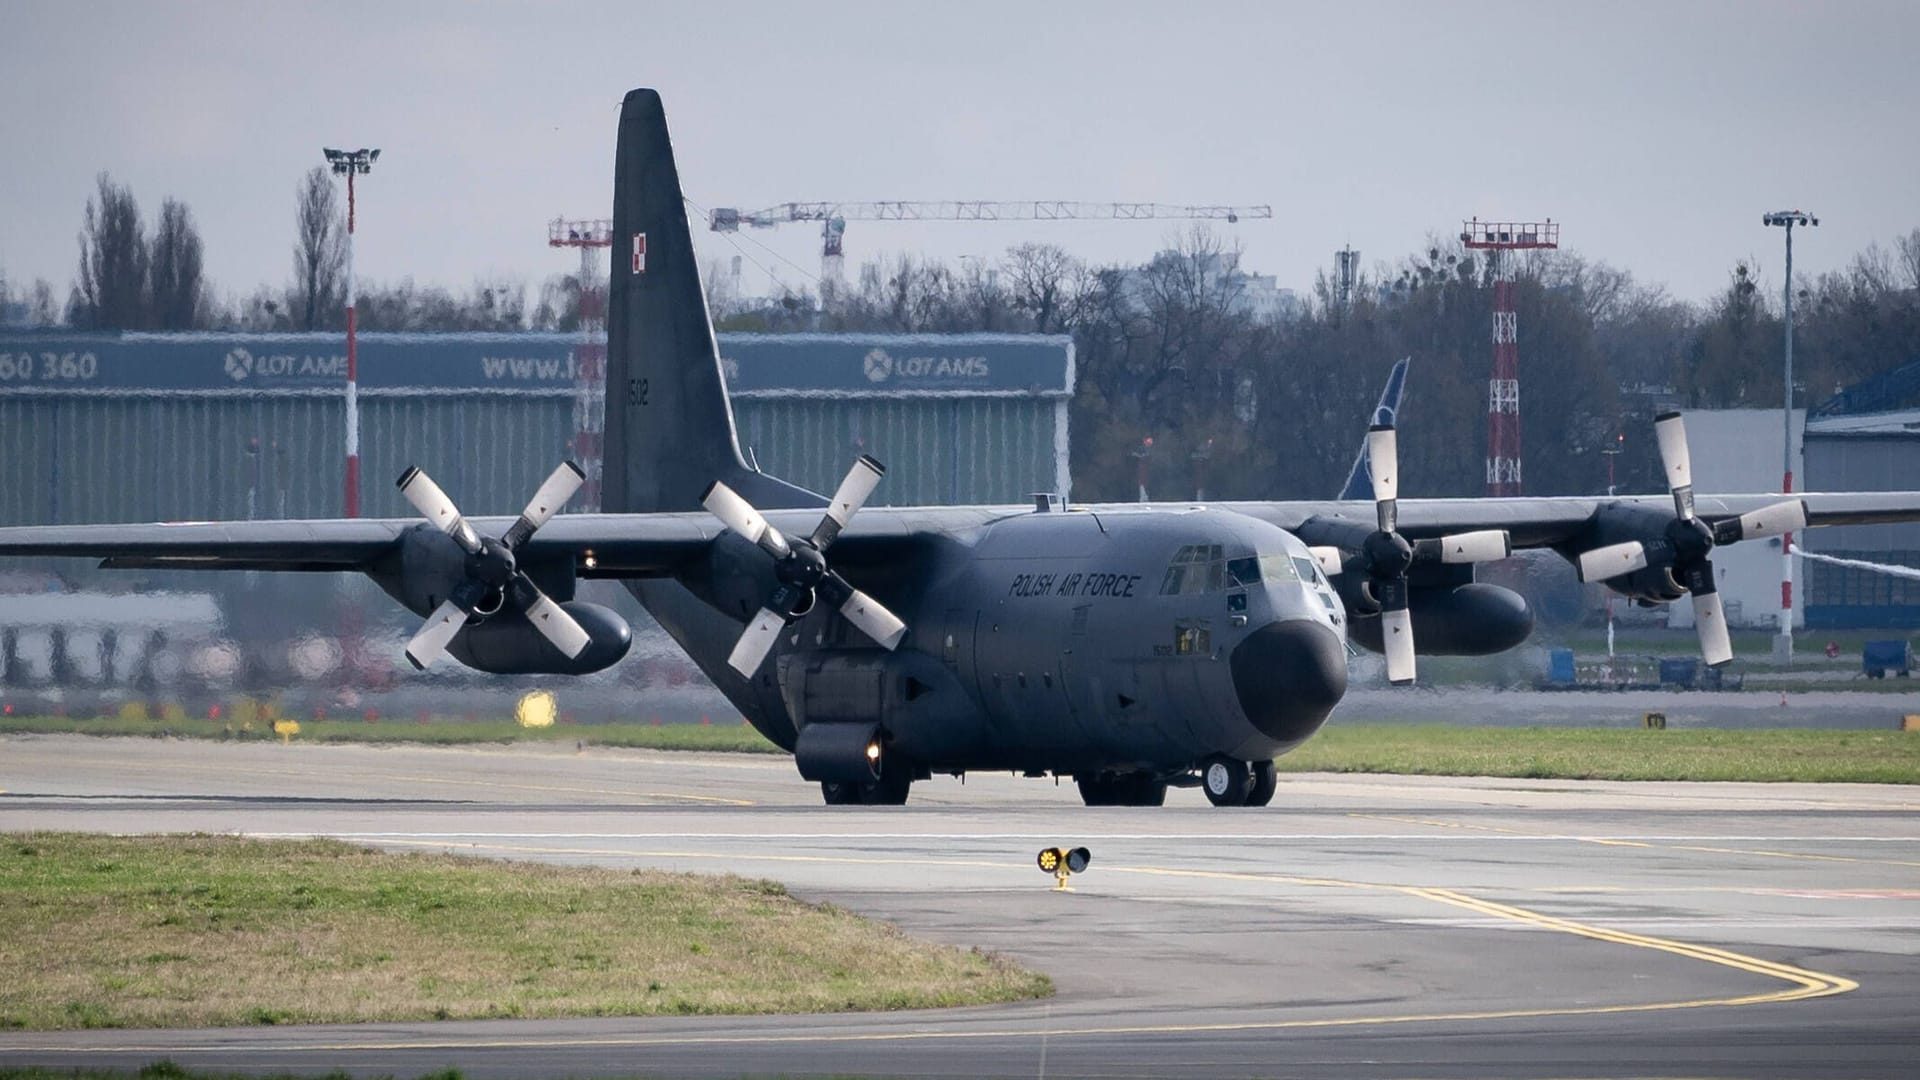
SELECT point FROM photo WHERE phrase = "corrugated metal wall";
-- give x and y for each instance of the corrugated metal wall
(154, 457)
(1839, 596)
(936, 450)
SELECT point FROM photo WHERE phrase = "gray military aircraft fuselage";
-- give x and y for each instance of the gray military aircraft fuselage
(1118, 645)
(1127, 646)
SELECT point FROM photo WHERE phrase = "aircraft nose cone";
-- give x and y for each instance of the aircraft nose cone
(1289, 675)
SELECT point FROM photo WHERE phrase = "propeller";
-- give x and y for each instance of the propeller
(801, 567)
(1689, 541)
(1386, 555)
(491, 566)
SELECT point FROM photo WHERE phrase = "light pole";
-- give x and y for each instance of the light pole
(1783, 643)
(351, 163)
(1612, 452)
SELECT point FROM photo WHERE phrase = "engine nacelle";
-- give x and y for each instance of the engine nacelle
(1463, 620)
(1617, 524)
(426, 566)
(507, 644)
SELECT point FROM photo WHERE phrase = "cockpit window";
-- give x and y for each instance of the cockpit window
(1196, 568)
(1309, 570)
(1247, 572)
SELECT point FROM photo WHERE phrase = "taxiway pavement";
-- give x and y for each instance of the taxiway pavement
(1359, 926)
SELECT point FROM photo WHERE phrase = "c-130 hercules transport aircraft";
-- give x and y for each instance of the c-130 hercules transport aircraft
(1127, 646)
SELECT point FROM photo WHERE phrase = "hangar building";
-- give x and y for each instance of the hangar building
(151, 427)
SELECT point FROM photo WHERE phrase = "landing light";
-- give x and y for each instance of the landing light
(873, 751)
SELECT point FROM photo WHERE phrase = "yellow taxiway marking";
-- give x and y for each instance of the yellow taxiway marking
(1804, 983)
(1614, 842)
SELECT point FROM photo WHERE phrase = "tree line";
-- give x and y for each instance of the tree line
(1240, 398)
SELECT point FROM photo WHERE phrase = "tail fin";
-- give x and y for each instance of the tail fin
(669, 430)
(1360, 479)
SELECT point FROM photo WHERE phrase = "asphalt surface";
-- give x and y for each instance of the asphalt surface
(1358, 927)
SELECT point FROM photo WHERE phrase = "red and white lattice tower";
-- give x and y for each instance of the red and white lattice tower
(1497, 238)
(590, 355)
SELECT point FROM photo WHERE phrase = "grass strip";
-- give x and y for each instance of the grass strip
(192, 931)
(167, 1070)
(737, 737)
(1866, 757)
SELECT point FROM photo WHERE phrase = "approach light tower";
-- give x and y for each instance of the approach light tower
(352, 163)
(1503, 390)
(590, 355)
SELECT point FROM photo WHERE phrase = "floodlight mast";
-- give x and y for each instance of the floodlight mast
(1783, 642)
(351, 163)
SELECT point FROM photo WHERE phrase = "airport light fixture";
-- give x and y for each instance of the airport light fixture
(352, 163)
(1787, 219)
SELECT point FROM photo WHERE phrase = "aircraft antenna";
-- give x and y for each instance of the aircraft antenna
(1497, 239)
(590, 355)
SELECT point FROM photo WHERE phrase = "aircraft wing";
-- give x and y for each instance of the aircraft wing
(622, 545)
(1550, 522)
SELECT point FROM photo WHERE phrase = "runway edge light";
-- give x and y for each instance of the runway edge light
(1063, 863)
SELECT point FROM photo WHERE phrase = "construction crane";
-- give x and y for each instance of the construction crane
(833, 217)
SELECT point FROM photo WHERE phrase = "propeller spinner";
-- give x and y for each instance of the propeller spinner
(1689, 541)
(491, 566)
(801, 567)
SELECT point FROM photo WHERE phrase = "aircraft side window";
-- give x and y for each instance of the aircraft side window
(1243, 572)
(1309, 570)
(1192, 638)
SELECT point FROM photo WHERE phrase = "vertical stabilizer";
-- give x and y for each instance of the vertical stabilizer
(669, 429)
(1360, 478)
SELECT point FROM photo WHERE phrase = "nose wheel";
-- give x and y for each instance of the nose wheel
(1229, 782)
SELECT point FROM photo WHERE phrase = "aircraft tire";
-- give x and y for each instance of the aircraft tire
(1266, 780)
(1226, 781)
(1098, 790)
(1145, 789)
(839, 794)
(896, 778)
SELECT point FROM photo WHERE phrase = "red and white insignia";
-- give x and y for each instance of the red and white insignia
(639, 253)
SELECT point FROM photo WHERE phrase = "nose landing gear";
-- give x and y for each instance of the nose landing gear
(1229, 782)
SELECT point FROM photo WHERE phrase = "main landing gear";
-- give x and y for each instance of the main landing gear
(1229, 782)
(889, 788)
(1122, 789)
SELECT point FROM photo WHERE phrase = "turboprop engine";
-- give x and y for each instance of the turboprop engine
(484, 606)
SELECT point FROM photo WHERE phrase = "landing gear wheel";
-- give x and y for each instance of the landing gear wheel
(1266, 780)
(1145, 789)
(1098, 790)
(839, 794)
(1226, 781)
(891, 789)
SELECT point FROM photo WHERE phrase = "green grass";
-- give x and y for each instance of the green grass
(735, 736)
(1873, 757)
(190, 931)
(167, 1070)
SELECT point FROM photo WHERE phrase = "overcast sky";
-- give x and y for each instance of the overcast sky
(1656, 133)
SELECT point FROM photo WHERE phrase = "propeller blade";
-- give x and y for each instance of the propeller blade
(1396, 634)
(854, 491)
(756, 641)
(425, 496)
(873, 619)
(1781, 517)
(1612, 561)
(430, 643)
(1710, 619)
(740, 516)
(1670, 431)
(552, 620)
(1331, 559)
(1486, 545)
(546, 502)
(1383, 461)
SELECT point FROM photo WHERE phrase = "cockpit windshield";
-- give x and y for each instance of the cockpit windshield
(1273, 568)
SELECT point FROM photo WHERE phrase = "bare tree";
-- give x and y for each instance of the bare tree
(319, 252)
(113, 261)
(175, 274)
(42, 311)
